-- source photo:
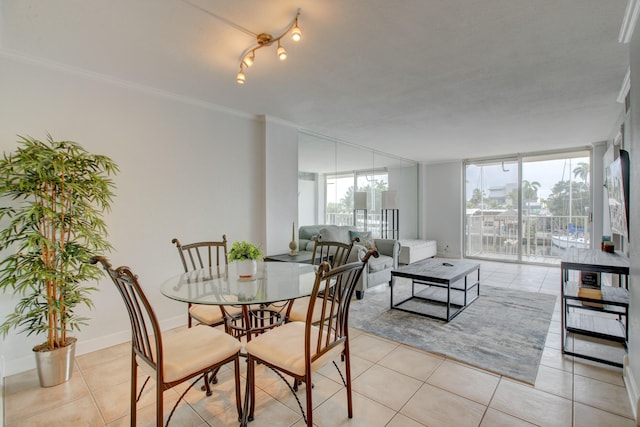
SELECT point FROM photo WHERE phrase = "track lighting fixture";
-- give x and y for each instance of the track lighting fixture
(263, 40)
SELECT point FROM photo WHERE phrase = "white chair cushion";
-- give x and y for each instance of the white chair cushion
(284, 347)
(193, 349)
(299, 309)
(210, 314)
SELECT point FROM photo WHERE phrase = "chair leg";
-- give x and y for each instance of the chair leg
(159, 402)
(134, 386)
(236, 366)
(214, 376)
(207, 387)
(251, 376)
(249, 398)
(347, 369)
(308, 390)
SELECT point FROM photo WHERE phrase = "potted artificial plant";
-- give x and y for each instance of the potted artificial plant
(54, 195)
(246, 256)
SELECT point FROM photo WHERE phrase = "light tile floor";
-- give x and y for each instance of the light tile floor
(394, 385)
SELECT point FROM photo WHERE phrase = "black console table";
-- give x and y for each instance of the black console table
(603, 321)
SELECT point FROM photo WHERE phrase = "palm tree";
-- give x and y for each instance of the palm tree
(582, 171)
(530, 190)
(476, 199)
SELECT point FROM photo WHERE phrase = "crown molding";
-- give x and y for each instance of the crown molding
(626, 86)
(629, 21)
(141, 88)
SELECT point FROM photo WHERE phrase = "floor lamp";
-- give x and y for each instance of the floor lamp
(360, 204)
(390, 215)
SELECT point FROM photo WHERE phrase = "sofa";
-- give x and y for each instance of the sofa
(377, 270)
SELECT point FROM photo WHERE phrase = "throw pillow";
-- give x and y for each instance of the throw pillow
(366, 239)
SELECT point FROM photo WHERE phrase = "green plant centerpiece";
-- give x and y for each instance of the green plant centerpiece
(54, 195)
(243, 250)
(246, 256)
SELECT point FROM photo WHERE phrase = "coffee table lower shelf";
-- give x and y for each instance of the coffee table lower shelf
(432, 301)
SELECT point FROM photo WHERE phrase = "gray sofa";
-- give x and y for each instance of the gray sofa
(377, 271)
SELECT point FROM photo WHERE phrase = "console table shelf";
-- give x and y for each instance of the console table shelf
(604, 318)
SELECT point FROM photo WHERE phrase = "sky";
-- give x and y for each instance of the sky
(547, 173)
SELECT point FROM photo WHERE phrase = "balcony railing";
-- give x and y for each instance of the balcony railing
(542, 236)
(373, 221)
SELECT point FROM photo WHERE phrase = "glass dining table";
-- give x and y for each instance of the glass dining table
(262, 298)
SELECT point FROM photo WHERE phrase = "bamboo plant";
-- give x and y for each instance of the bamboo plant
(54, 195)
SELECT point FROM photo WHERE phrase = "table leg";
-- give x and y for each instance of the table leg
(393, 282)
(448, 301)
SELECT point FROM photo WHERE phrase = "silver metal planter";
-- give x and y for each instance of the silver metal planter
(55, 366)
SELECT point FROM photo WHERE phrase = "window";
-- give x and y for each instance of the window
(530, 208)
(340, 196)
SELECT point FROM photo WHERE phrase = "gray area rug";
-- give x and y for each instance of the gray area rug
(503, 331)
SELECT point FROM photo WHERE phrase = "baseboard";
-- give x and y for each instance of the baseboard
(95, 344)
(27, 363)
(2, 371)
(632, 388)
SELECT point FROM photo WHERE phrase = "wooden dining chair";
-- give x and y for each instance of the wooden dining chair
(212, 255)
(336, 253)
(298, 349)
(172, 360)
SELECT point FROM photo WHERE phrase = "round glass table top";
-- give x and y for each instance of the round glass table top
(274, 281)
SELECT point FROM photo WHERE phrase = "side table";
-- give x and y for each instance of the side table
(303, 257)
(604, 318)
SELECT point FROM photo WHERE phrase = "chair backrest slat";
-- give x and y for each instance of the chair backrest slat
(201, 254)
(336, 253)
(145, 329)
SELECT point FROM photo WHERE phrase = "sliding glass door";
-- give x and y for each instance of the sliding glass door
(530, 208)
(492, 227)
(556, 205)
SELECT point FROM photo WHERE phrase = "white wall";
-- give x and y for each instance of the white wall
(308, 200)
(441, 212)
(188, 170)
(404, 180)
(632, 371)
(280, 185)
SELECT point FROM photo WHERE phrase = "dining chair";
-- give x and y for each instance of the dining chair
(212, 255)
(298, 349)
(171, 360)
(336, 253)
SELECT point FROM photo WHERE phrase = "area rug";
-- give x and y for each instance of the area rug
(503, 331)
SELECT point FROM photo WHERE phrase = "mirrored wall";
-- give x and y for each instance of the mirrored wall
(343, 184)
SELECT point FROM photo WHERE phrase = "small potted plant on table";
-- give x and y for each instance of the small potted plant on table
(246, 255)
(51, 225)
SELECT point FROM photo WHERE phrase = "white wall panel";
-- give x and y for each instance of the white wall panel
(188, 170)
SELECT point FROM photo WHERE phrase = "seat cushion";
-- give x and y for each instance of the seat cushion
(284, 347)
(210, 314)
(299, 310)
(192, 350)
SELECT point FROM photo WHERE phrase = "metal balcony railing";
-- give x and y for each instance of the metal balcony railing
(542, 236)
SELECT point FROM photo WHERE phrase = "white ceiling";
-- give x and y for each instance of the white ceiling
(429, 80)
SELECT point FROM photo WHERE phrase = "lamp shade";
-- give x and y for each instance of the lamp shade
(390, 199)
(360, 200)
